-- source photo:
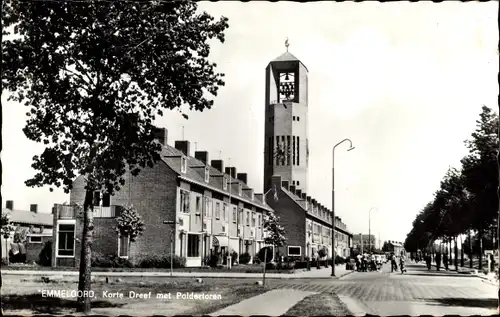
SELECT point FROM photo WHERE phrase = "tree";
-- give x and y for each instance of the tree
(480, 170)
(95, 75)
(129, 223)
(275, 233)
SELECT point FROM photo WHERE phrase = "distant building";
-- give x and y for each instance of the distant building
(394, 246)
(364, 242)
(38, 224)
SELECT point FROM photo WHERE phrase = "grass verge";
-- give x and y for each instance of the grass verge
(323, 304)
(25, 297)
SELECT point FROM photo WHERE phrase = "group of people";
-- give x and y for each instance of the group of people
(367, 262)
(394, 264)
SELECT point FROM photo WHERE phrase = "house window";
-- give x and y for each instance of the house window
(198, 204)
(97, 198)
(240, 216)
(66, 240)
(123, 246)
(253, 219)
(224, 211)
(217, 210)
(240, 189)
(208, 209)
(260, 221)
(35, 239)
(184, 201)
(183, 164)
(225, 183)
(248, 219)
(193, 245)
(234, 215)
(207, 174)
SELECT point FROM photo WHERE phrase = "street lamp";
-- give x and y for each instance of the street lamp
(333, 198)
(370, 230)
(172, 233)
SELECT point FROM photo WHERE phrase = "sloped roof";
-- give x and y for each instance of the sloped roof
(196, 174)
(288, 57)
(29, 218)
(296, 199)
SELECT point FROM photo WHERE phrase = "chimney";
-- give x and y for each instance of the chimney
(231, 171)
(298, 192)
(292, 189)
(201, 156)
(303, 195)
(259, 197)
(308, 198)
(314, 202)
(34, 208)
(242, 177)
(285, 184)
(218, 164)
(276, 181)
(9, 204)
(183, 146)
(160, 135)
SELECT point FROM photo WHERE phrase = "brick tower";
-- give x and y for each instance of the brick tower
(286, 151)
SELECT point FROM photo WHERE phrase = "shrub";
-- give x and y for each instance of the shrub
(214, 260)
(110, 261)
(256, 260)
(322, 253)
(234, 257)
(156, 261)
(271, 266)
(339, 260)
(269, 256)
(45, 256)
(245, 258)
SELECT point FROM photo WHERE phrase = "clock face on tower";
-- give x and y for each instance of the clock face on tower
(287, 86)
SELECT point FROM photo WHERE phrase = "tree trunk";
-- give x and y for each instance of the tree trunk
(84, 281)
(480, 249)
(456, 253)
(461, 251)
(470, 251)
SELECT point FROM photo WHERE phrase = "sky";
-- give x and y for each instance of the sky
(404, 81)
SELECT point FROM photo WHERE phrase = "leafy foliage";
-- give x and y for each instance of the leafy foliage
(275, 233)
(467, 198)
(7, 226)
(129, 223)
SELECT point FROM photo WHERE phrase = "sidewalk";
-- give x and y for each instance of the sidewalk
(265, 304)
(313, 274)
(489, 278)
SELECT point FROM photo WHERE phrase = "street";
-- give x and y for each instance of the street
(417, 292)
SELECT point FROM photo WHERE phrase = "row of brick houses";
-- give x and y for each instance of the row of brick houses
(212, 206)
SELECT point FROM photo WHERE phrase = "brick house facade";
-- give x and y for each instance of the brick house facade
(213, 210)
(307, 223)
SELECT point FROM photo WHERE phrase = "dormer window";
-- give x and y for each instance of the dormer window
(224, 182)
(252, 196)
(207, 174)
(183, 164)
(240, 189)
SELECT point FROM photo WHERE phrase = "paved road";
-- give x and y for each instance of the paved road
(417, 292)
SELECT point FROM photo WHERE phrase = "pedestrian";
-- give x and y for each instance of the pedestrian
(438, 260)
(445, 261)
(394, 265)
(428, 261)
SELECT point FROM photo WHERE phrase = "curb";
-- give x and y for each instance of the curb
(167, 275)
(353, 306)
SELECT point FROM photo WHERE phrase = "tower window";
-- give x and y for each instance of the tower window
(298, 151)
(298, 183)
(298, 119)
(277, 149)
(287, 147)
(293, 150)
(270, 149)
(293, 182)
(293, 118)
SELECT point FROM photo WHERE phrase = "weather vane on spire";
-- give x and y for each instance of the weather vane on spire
(287, 44)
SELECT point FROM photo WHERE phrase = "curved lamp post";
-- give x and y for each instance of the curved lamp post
(333, 198)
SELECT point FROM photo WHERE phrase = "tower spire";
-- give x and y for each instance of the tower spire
(287, 44)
